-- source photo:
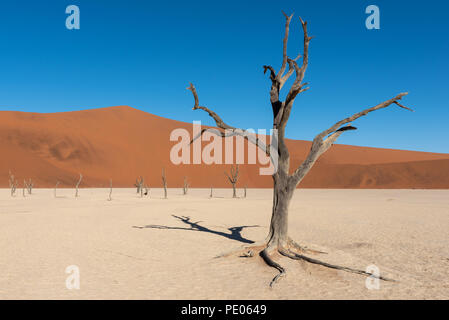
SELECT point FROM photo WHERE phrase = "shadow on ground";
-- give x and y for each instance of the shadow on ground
(195, 226)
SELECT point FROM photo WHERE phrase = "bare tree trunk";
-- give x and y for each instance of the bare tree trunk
(185, 188)
(110, 190)
(140, 185)
(211, 192)
(137, 185)
(77, 185)
(13, 183)
(244, 192)
(164, 182)
(56, 187)
(278, 231)
(29, 185)
(233, 177)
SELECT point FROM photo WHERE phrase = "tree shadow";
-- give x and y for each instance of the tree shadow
(195, 226)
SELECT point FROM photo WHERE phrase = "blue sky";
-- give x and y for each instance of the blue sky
(144, 54)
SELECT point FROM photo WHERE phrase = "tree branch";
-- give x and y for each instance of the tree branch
(220, 123)
(285, 42)
(297, 86)
(278, 80)
(291, 69)
(321, 145)
(229, 130)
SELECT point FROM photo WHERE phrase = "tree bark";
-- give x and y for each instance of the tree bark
(282, 195)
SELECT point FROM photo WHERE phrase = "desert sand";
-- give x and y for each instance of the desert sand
(136, 248)
(124, 143)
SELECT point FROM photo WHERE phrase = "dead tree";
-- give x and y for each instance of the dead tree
(244, 191)
(110, 190)
(13, 184)
(139, 184)
(56, 187)
(29, 185)
(211, 195)
(164, 182)
(284, 182)
(77, 185)
(185, 187)
(233, 177)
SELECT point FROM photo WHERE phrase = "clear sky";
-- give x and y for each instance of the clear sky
(144, 54)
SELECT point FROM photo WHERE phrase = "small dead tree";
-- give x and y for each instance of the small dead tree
(29, 185)
(110, 190)
(56, 187)
(233, 177)
(284, 180)
(164, 183)
(139, 184)
(244, 191)
(13, 184)
(77, 185)
(211, 192)
(185, 187)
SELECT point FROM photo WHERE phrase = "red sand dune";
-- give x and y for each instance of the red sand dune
(123, 143)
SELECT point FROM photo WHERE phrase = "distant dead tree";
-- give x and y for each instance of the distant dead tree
(185, 187)
(56, 187)
(77, 185)
(244, 191)
(13, 184)
(164, 182)
(284, 180)
(29, 185)
(211, 192)
(233, 177)
(139, 184)
(110, 190)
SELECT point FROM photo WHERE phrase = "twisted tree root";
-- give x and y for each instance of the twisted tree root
(293, 251)
(296, 256)
(268, 260)
(300, 249)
